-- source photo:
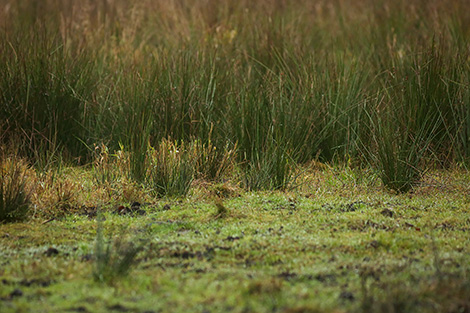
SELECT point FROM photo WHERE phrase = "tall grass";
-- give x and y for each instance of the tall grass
(212, 163)
(413, 120)
(270, 168)
(300, 80)
(171, 169)
(15, 194)
(45, 90)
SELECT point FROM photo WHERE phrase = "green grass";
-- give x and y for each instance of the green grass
(315, 81)
(263, 140)
(15, 193)
(113, 260)
(333, 245)
(171, 169)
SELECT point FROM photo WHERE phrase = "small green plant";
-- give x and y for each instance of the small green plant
(105, 172)
(14, 194)
(113, 260)
(171, 169)
(222, 210)
(102, 170)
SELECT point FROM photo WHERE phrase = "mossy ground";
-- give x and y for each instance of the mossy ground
(334, 244)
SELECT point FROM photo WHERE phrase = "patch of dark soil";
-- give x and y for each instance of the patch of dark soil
(352, 207)
(183, 254)
(36, 282)
(387, 212)
(288, 275)
(209, 252)
(90, 211)
(119, 308)
(249, 262)
(134, 209)
(78, 309)
(232, 238)
(364, 225)
(121, 210)
(87, 257)
(51, 251)
(223, 248)
(14, 294)
(325, 278)
(347, 296)
(345, 207)
(290, 207)
(200, 271)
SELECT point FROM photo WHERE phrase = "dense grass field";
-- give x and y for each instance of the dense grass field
(240, 156)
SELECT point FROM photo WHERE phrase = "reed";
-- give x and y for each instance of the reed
(316, 80)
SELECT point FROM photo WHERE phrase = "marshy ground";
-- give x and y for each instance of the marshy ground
(332, 245)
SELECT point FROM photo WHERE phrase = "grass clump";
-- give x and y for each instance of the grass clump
(221, 210)
(398, 158)
(412, 120)
(212, 163)
(105, 171)
(15, 197)
(270, 169)
(113, 260)
(171, 169)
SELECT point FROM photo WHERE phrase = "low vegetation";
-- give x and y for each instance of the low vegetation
(338, 242)
(234, 156)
